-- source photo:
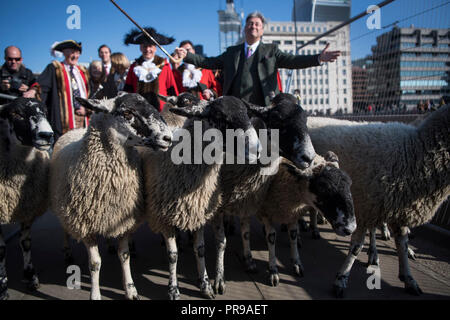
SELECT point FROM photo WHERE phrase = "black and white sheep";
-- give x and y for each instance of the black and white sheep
(25, 138)
(245, 186)
(185, 196)
(323, 186)
(96, 182)
(400, 174)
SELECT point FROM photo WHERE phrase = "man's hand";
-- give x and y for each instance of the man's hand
(23, 87)
(30, 94)
(181, 52)
(207, 94)
(328, 56)
(6, 85)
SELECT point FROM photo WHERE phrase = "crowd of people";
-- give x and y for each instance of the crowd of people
(248, 71)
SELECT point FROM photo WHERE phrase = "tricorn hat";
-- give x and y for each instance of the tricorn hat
(66, 44)
(136, 36)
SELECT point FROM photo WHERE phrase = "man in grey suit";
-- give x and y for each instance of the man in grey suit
(250, 69)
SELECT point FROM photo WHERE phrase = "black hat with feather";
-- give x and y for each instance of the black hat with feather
(136, 36)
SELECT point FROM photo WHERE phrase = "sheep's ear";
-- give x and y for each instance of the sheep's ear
(171, 99)
(96, 104)
(121, 93)
(256, 111)
(332, 158)
(189, 113)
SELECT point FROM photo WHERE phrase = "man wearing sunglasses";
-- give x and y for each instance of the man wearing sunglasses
(15, 79)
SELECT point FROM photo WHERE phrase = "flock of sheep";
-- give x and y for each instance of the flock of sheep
(117, 174)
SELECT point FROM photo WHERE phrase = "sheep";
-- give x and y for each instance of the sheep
(96, 182)
(323, 186)
(185, 196)
(245, 185)
(400, 176)
(25, 139)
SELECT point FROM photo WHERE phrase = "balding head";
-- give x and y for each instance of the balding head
(13, 58)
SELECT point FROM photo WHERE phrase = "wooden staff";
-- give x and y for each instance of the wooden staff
(147, 34)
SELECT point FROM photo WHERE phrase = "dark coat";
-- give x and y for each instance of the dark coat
(269, 59)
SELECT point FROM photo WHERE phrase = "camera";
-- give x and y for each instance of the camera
(15, 83)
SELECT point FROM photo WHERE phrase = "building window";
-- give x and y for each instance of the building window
(307, 29)
(302, 29)
(345, 91)
(278, 28)
(345, 81)
(288, 42)
(345, 100)
(284, 28)
(313, 29)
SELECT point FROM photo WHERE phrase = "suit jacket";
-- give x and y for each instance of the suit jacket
(269, 59)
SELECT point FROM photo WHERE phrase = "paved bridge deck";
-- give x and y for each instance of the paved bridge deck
(321, 259)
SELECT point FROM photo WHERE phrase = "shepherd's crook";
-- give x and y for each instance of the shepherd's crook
(147, 34)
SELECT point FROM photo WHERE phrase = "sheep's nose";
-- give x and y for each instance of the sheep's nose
(45, 135)
(306, 158)
(167, 138)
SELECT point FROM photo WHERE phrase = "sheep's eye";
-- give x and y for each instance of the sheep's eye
(128, 115)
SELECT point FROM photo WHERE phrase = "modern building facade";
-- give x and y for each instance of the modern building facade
(360, 81)
(230, 26)
(325, 89)
(321, 10)
(410, 66)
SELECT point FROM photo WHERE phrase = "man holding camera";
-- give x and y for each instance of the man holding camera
(16, 80)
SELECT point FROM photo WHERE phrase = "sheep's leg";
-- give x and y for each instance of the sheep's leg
(295, 257)
(172, 253)
(372, 251)
(271, 236)
(303, 225)
(356, 245)
(401, 242)
(199, 249)
(221, 243)
(67, 250)
(250, 265)
(3, 278)
(124, 256)
(385, 234)
(313, 224)
(29, 273)
(95, 262)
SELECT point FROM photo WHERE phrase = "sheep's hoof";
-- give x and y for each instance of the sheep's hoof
(274, 277)
(96, 296)
(31, 279)
(4, 295)
(33, 284)
(299, 270)
(4, 289)
(206, 290)
(338, 291)
(385, 235)
(303, 225)
(412, 287)
(411, 254)
(373, 258)
(174, 293)
(316, 235)
(131, 292)
(219, 286)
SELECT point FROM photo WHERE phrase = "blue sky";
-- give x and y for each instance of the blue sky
(35, 25)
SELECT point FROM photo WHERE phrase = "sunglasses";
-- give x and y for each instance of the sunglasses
(14, 59)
